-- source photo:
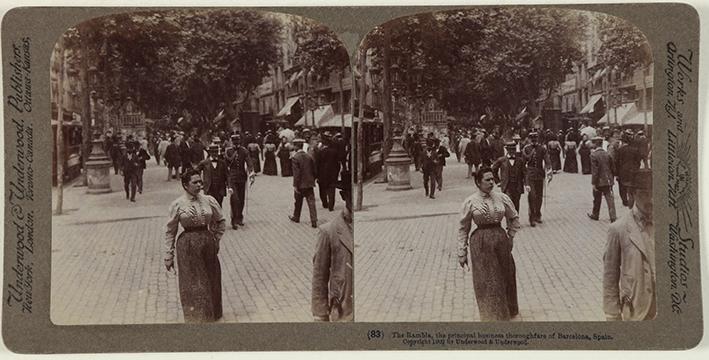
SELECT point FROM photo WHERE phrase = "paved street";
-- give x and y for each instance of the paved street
(407, 268)
(107, 256)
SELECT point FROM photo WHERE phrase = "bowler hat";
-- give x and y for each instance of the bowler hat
(213, 147)
(533, 134)
(642, 180)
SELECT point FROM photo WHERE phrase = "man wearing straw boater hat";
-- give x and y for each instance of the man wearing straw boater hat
(332, 292)
(629, 259)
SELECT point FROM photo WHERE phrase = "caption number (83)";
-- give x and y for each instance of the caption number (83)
(375, 334)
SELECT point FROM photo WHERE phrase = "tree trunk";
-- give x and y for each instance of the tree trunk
(342, 102)
(60, 125)
(386, 104)
(360, 140)
(86, 115)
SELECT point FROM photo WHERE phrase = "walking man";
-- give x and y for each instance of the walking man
(627, 162)
(629, 260)
(538, 169)
(511, 174)
(172, 159)
(143, 156)
(429, 165)
(328, 169)
(131, 164)
(601, 179)
(214, 174)
(240, 169)
(303, 183)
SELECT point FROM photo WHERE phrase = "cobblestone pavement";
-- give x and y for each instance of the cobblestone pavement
(406, 268)
(107, 257)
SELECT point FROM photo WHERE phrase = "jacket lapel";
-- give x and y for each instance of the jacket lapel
(635, 236)
(344, 234)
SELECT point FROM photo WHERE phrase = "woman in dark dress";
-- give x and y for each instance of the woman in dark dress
(283, 154)
(585, 154)
(554, 149)
(199, 278)
(269, 164)
(494, 273)
(570, 162)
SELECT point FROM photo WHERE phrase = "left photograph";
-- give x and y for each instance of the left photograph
(201, 170)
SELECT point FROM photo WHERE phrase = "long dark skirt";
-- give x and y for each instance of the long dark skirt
(286, 167)
(585, 155)
(269, 164)
(199, 276)
(255, 160)
(494, 274)
(555, 156)
(571, 165)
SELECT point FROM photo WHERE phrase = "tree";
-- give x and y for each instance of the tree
(623, 45)
(484, 60)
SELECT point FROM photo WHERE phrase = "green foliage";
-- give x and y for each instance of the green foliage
(319, 49)
(623, 45)
(170, 61)
(483, 60)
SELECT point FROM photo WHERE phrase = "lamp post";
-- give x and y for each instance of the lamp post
(398, 162)
(98, 165)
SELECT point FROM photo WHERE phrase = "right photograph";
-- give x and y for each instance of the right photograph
(503, 168)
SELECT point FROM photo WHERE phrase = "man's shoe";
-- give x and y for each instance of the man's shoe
(293, 219)
(613, 220)
(594, 218)
(314, 225)
(539, 220)
(240, 223)
(432, 197)
(234, 227)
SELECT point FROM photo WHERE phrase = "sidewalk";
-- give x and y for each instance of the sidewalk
(407, 268)
(107, 256)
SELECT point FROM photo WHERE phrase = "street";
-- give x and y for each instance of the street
(406, 268)
(107, 256)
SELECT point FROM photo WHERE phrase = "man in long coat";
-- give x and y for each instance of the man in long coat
(629, 276)
(627, 161)
(601, 179)
(332, 285)
(328, 169)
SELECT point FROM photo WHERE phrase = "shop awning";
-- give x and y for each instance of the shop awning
(286, 110)
(591, 104)
(623, 112)
(336, 121)
(321, 114)
(638, 118)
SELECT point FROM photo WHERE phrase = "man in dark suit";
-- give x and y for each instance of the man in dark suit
(538, 169)
(486, 149)
(303, 183)
(143, 156)
(185, 154)
(627, 162)
(328, 169)
(214, 174)
(131, 165)
(601, 179)
(511, 174)
(429, 164)
(197, 150)
(240, 169)
(172, 159)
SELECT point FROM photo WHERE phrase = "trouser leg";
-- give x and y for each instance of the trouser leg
(539, 198)
(439, 177)
(608, 194)
(331, 196)
(298, 196)
(310, 199)
(240, 191)
(133, 185)
(322, 189)
(515, 199)
(126, 185)
(140, 180)
(425, 181)
(596, 201)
